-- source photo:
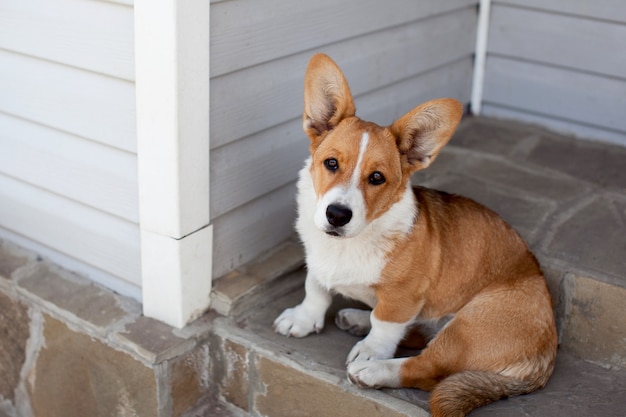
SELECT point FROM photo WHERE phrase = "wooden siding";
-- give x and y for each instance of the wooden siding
(68, 180)
(86, 104)
(98, 239)
(610, 10)
(557, 63)
(247, 32)
(83, 171)
(93, 35)
(395, 56)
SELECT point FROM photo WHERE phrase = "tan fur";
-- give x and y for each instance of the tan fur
(459, 258)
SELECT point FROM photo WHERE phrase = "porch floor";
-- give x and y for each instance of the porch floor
(566, 197)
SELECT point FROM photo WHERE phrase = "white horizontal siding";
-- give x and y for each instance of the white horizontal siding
(98, 176)
(395, 56)
(90, 236)
(123, 2)
(557, 63)
(93, 35)
(82, 103)
(68, 176)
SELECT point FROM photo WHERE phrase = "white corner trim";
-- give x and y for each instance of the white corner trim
(176, 277)
(172, 96)
(480, 56)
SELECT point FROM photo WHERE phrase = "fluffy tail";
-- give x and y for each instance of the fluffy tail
(460, 393)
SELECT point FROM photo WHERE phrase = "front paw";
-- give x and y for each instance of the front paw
(375, 374)
(297, 322)
(364, 351)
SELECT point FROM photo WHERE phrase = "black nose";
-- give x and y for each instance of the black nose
(338, 215)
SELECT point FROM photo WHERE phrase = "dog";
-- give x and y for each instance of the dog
(417, 257)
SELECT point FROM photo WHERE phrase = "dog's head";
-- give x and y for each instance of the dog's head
(360, 169)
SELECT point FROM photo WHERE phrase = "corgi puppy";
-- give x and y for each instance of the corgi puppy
(416, 256)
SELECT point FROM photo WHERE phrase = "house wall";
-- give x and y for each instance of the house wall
(560, 63)
(395, 56)
(68, 175)
(68, 166)
(68, 163)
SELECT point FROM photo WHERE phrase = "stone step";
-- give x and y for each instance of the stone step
(565, 196)
(265, 374)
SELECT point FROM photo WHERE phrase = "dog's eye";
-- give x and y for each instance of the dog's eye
(331, 164)
(376, 178)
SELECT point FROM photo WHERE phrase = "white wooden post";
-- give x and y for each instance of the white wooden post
(480, 56)
(172, 93)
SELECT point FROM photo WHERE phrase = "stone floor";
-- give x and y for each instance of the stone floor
(566, 197)
(577, 388)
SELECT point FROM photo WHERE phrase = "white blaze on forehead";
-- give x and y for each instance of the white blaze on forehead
(348, 195)
(354, 182)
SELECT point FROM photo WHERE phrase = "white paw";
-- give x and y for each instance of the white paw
(297, 322)
(366, 351)
(354, 321)
(375, 374)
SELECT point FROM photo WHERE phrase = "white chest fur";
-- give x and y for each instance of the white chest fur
(345, 266)
(350, 266)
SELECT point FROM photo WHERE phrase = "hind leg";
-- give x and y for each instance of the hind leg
(376, 373)
(422, 371)
(448, 353)
(493, 333)
(443, 356)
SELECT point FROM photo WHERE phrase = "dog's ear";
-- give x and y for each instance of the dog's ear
(327, 97)
(424, 131)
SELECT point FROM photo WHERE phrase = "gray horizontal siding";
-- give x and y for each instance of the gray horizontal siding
(68, 175)
(245, 33)
(253, 99)
(392, 65)
(610, 10)
(573, 42)
(589, 100)
(245, 232)
(559, 66)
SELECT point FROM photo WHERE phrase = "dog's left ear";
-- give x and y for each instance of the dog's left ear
(327, 97)
(424, 131)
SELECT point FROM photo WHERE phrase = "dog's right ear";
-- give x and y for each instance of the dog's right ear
(327, 98)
